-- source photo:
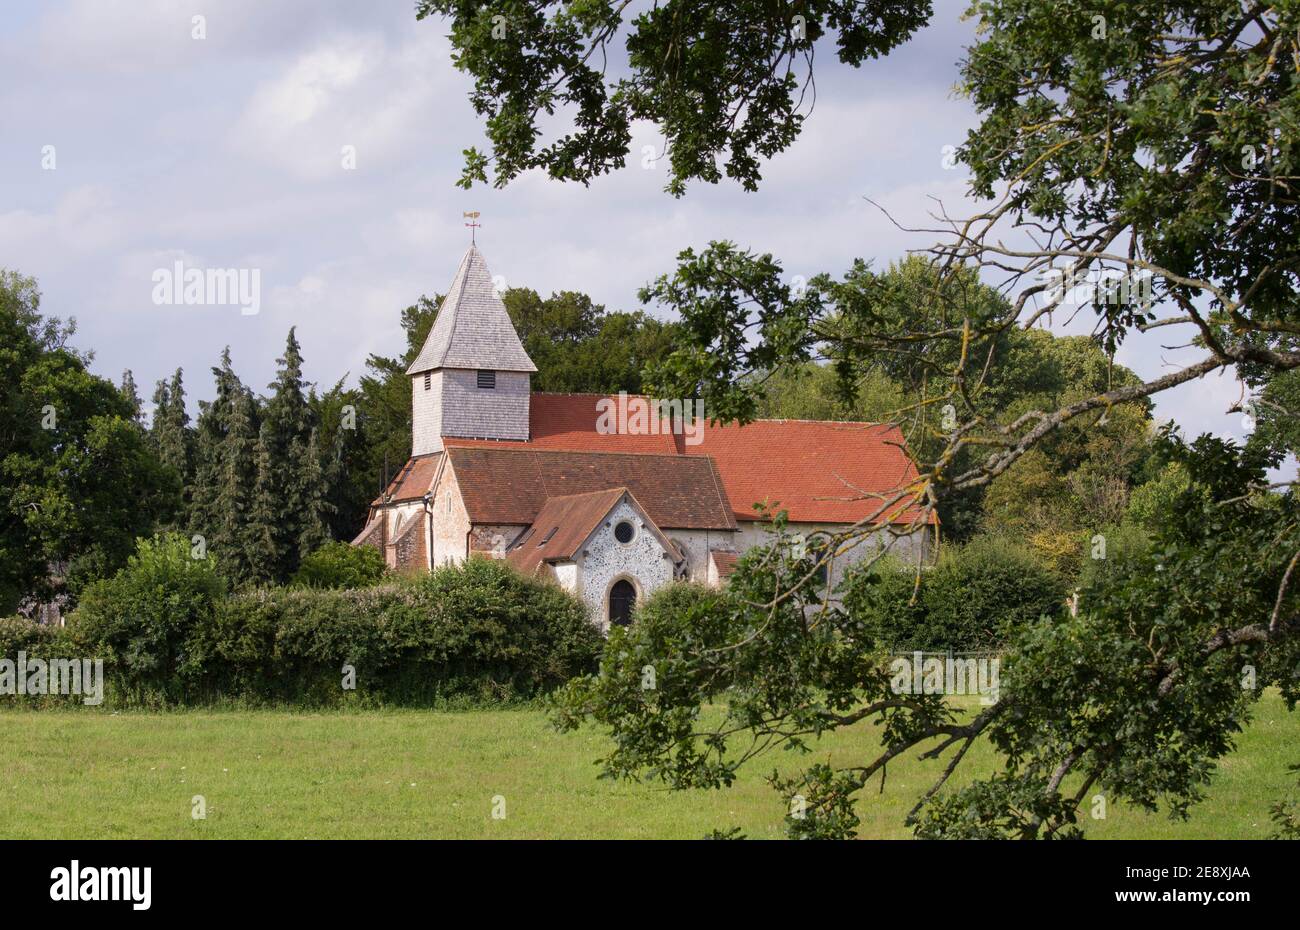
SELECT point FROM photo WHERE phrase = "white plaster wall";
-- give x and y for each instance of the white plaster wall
(642, 561)
(566, 575)
(698, 544)
(396, 515)
(752, 534)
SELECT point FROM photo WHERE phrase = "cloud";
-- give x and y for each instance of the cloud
(357, 92)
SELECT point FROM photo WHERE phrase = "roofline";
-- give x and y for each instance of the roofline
(413, 371)
(525, 445)
(725, 422)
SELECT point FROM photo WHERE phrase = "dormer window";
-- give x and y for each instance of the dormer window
(428, 380)
(487, 379)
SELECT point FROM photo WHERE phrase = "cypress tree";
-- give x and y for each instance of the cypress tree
(173, 440)
(260, 545)
(233, 539)
(314, 530)
(132, 396)
(288, 431)
(211, 430)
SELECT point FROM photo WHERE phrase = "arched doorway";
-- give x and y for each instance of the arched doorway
(622, 600)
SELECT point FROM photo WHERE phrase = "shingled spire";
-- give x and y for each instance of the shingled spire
(473, 329)
(470, 379)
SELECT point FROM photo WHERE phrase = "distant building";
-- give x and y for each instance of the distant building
(609, 506)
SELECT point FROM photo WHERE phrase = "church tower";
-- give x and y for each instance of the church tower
(471, 378)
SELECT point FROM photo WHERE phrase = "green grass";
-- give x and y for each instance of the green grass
(413, 774)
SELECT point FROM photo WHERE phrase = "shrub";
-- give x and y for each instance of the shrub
(971, 600)
(18, 634)
(479, 631)
(1123, 544)
(37, 641)
(340, 565)
(144, 619)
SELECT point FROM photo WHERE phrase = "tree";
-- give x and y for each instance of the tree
(728, 84)
(132, 397)
(292, 462)
(173, 439)
(79, 480)
(343, 438)
(239, 538)
(210, 435)
(579, 348)
(1141, 163)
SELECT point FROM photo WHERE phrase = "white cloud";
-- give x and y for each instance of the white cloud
(359, 92)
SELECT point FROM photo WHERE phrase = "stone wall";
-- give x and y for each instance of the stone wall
(604, 560)
(450, 520)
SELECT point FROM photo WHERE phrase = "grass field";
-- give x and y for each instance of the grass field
(414, 774)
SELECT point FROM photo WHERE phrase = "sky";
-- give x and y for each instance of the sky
(227, 152)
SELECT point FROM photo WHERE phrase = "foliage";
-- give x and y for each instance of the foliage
(974, 599)
(721, 81)
(171, 634)
(79, 479)
(142, 621)
(1174, 125)
(340, 565)
(579, 348)
(1137, 695)
(1153, 501)
(1286, 815)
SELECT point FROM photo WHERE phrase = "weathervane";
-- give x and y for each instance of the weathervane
(472, 225)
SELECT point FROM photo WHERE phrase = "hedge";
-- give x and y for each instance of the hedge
(969, 601)
(170, 634)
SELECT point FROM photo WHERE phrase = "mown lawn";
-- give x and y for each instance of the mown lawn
(414, 774)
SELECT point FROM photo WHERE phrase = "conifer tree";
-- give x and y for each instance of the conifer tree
(289, 423)
(233, 534)
(131, 396)
(261, 551)
(210, 435)
(172, 437)
(314, 530)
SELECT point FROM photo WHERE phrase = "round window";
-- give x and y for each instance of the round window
(623, 531)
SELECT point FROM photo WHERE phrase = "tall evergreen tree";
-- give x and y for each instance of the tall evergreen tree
(209, 441)
(172, 437)
(288, 427)
(132, 397)
(261, 550)
(234, 536)
(314, 529)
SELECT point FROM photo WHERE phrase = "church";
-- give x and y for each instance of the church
(608, 503)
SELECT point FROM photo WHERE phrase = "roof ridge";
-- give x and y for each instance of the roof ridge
(621, 489)
(528, 446)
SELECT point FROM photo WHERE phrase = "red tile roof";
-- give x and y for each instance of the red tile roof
(509, 483)
(724, 560)
(562, 525)
(414, 480)
(817, 471)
